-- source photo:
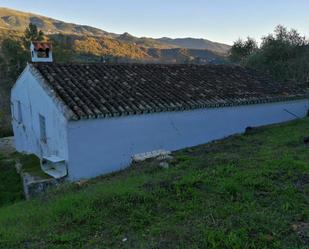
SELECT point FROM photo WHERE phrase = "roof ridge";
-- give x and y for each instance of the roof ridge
(140, 64)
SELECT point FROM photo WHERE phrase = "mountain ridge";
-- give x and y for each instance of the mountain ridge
(196, 43)
(18, 20)
(76, 43)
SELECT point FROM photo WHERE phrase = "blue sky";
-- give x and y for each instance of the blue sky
(217, 20)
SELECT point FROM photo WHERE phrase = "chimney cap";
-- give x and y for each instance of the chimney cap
(41, 51)
(38, 45)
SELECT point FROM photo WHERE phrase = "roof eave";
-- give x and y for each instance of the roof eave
(268, 100)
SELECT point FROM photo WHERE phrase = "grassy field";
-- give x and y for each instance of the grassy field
(10, 182)
(11, 190)
(247, 191)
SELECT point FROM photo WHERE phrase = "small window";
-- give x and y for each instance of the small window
(19, 113)
(42, 128)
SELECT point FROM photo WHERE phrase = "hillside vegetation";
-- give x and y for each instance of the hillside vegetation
(80, 43)
(193, 43)
(284, 54)
(19, 21)
(247, 191)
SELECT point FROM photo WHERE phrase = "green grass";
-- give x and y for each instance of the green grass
(248, 191)
(31, 165)
(11, 190)
(10, 182)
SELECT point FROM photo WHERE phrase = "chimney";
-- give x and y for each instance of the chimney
(41, 52)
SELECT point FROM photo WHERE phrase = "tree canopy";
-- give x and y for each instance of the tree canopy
(284, 54)
(14, 53)
(242, 49)
(32, 34)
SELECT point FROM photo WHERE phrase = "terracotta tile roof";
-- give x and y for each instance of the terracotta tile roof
(41, 45)
(104, 90)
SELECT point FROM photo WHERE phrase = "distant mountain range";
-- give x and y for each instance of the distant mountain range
(193, 43)
(81, 43)
(18, 21)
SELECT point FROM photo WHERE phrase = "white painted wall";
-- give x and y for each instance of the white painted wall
(97, 146)
(104, 145)
(34, 101)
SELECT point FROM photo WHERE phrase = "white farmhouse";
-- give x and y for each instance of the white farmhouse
(84, 120)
